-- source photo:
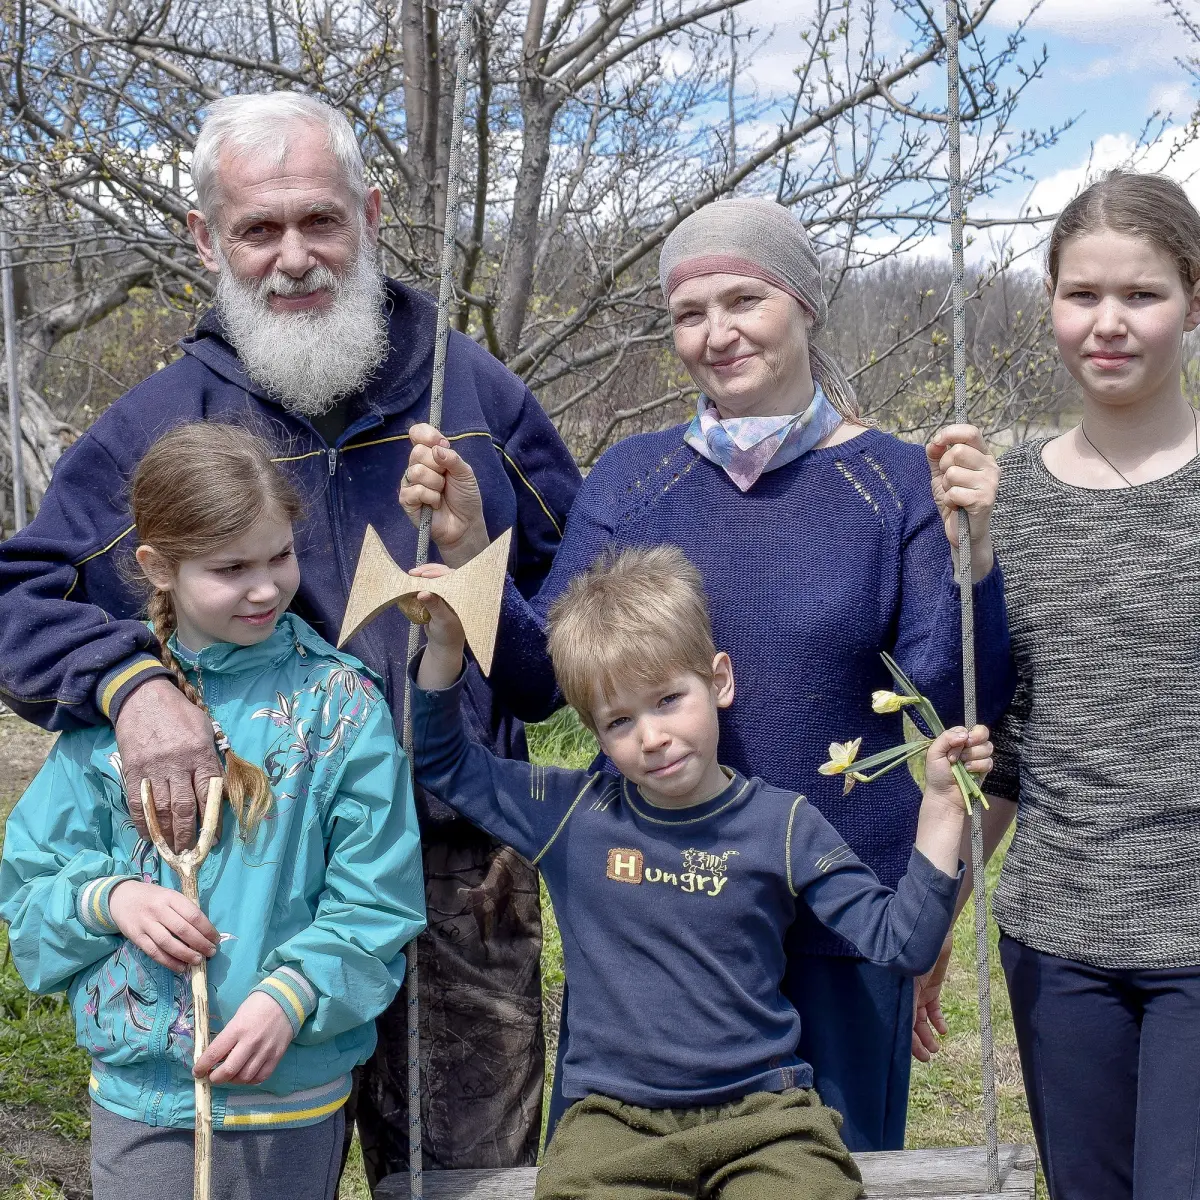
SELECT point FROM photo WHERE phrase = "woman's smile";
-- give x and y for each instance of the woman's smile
(731, 364)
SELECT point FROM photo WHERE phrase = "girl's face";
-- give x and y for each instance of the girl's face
(744, 343)
(1120, 311)
(235, 594)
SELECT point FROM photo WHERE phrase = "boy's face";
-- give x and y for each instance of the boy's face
(663, 738)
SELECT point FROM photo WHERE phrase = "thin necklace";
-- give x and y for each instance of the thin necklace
(1124, 479)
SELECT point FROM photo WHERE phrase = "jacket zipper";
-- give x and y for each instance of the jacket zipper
(335, 525)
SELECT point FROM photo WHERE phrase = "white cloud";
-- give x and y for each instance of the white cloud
(1085, 20)
(1173, 153)
(1178, 98)
(1136, 34)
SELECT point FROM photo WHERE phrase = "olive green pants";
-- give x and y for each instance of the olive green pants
(767, 1146)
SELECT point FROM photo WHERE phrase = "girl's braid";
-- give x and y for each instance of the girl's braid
(246, 786)
(161, 612)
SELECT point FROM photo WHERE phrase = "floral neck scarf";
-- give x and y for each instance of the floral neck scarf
(747, 447)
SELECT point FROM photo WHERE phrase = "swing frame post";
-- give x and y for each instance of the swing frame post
(13, 380)
(187, 866)
(961, 416)
(437, 389)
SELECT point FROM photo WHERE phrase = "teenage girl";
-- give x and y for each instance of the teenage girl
(310, 893)
(1099, 534)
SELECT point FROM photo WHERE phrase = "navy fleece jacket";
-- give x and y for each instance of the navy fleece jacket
(71, 647)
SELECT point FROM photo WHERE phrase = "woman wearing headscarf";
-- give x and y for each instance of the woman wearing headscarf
(821, 542)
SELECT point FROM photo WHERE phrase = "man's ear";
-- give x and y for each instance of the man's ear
(372, 207)
(722, 680)
(203, 237)
(155, 568)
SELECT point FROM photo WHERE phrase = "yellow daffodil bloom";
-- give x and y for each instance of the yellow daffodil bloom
(841, 755)
(890, 702)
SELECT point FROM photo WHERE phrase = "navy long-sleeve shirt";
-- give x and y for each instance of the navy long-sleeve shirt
(673, 920)
(810, 574)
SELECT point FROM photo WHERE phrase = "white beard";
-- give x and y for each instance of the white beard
(308, 360)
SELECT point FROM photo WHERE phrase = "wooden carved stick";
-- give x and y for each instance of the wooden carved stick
(187, 867)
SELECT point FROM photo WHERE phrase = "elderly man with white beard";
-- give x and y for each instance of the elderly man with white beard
(310, 345)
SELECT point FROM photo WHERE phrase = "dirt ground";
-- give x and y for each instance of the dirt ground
(23, 749)
(36, 1161)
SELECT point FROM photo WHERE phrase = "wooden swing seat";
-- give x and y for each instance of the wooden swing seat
(948, 1174)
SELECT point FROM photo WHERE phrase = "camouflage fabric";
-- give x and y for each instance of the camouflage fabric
(482, 1045)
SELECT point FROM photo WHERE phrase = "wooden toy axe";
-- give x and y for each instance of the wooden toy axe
(473, 591)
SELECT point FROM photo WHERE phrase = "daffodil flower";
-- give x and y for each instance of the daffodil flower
(889, 702)
(841, 755)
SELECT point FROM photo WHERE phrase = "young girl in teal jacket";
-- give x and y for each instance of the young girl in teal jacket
(309, 896)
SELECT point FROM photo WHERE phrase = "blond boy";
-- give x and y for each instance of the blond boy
(674, 884)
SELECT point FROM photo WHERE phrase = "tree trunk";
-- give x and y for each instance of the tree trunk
(43, 439)
(44, 436)
(517, 282)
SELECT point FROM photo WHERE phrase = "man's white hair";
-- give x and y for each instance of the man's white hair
(258, 124)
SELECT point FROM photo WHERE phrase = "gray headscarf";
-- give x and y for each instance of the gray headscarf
(764, 240)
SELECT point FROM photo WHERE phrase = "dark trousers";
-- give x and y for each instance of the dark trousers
(482, 1048)
(1111, 1060)
(855, 1030)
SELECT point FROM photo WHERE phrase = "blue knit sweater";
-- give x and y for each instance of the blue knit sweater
(820, 566)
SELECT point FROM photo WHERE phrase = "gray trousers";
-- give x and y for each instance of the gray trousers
(132, 1159)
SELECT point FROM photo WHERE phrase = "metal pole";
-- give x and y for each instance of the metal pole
(982, 954)
(14, 383)
(416, 1182)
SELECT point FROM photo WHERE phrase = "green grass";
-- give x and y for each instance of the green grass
(39, 1061)
(562, 741)
(43, 1073)
(945, 1099)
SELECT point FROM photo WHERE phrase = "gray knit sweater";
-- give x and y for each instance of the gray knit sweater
(1102, 744)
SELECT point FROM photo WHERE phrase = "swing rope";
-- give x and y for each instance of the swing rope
(416, 1183)
(982, 959)
(445, 294)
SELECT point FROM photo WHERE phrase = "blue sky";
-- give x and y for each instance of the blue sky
(1111, 64)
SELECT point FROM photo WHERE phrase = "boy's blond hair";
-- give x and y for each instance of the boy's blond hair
(637, 617)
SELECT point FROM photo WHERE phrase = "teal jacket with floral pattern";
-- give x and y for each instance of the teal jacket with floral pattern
(315, 910)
